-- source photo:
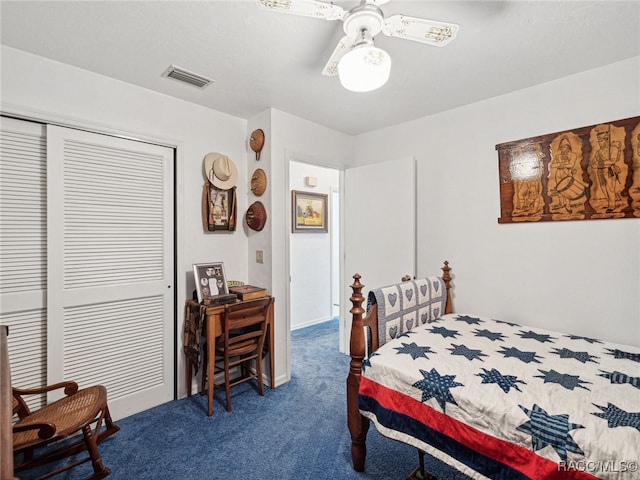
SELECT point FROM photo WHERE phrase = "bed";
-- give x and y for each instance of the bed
(492, 398)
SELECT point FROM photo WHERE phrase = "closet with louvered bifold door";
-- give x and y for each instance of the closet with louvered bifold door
(87, 261)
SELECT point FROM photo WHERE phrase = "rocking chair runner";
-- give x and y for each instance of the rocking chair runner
(60, 420)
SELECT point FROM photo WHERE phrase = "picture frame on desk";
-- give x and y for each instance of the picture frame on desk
(210, 280)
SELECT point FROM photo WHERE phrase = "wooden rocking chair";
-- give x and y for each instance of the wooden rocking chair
(75, 413)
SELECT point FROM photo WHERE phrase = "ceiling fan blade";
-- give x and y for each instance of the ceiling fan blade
(421, 30)
(344, 45)
(307, 8)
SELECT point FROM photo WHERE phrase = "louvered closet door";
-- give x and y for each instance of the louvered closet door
(23, 250)
(110, 276)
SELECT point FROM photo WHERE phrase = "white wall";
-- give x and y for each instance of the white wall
(581, 277)
(310, 253)
(52, 91)
(260, 273)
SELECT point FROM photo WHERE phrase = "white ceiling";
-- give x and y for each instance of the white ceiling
(261, 59)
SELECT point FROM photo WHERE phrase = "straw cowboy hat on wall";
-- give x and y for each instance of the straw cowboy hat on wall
(220, 170)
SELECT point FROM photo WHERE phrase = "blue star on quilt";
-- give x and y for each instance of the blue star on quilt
(507, 323)
(550, 430)
(493, 336)
(526, 357)
(620, 378)
(414, 350)
(366, 362)
(583, 357)
(466, 352)
(586, 339)
(468, 319)
(445, 332)
(567, 381)
(437, 386)
(541, 337)
(616, 417)
(635, 357)
(505, 382)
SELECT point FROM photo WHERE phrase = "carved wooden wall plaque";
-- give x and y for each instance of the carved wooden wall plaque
(587, 173)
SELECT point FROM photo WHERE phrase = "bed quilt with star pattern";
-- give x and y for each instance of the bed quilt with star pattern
(504, 401)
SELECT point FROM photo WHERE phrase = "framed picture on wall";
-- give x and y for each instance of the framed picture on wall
(210, 280)
(309, 212)
(219, 208)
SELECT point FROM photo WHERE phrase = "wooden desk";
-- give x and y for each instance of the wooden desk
(212, 330)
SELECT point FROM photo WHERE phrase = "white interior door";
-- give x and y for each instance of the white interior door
(379, 228)
(110, 266)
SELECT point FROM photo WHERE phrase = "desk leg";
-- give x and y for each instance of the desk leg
(189, 377)
(211, 352)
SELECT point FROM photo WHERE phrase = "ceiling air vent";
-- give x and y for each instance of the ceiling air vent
(185, 76)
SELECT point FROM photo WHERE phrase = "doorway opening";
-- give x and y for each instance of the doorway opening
(314, 256)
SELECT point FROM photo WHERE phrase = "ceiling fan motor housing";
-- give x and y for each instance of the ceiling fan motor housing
(363, 17)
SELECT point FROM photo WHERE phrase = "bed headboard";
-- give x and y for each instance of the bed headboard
(403, 306)
(358, 425)
(380, 324)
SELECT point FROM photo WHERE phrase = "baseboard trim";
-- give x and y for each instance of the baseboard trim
(312, 323)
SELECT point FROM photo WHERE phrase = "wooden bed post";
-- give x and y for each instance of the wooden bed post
(358, 425)
(446, 277)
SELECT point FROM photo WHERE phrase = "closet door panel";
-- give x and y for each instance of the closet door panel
(23, 250)
(110, 277)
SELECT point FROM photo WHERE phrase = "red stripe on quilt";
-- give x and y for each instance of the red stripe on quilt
(519, 458)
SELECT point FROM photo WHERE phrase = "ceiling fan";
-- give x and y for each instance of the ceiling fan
(361, 66)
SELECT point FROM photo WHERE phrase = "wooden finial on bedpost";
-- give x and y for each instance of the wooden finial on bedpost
(357, 341)
(446, 277)
(358, 425)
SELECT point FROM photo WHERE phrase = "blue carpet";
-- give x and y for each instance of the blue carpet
(296, 431)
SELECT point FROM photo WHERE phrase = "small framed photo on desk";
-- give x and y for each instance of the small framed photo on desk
(210, 280)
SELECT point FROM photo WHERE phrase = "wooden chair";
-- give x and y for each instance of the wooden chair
(73, 414)
(244, 328)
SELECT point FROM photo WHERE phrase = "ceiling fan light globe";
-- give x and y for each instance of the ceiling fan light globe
(364, 69)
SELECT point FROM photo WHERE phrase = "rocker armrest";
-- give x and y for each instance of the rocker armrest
(70, 387)
(45, 430)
